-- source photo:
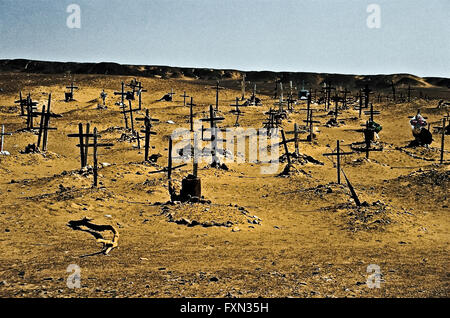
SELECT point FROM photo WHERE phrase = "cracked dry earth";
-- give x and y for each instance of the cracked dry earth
(254, 234)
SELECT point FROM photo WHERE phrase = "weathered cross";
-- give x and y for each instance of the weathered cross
(44, 124)
(22, 102)
(83, 142)
(191, 114)
(122, 94)
(236, 112)
(338, 155)
(169, 167)
(296, 133)
(147, 131)
(368, 131)
(217, 88)
(212, 122)
(311, 123)
(184, 98)
(69, 96)
(371, 112)
(3, 134)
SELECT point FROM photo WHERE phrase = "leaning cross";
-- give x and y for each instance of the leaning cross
(338, 155)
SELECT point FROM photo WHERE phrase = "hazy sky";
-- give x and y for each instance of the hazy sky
(280, 35)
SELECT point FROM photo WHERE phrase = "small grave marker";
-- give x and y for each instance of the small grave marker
(2, 135)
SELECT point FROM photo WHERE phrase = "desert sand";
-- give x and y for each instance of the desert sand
(295, 236)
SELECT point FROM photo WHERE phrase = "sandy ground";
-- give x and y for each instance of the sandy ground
(296, 236)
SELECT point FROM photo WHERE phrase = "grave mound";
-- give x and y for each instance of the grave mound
(367, 217)
(207, 214)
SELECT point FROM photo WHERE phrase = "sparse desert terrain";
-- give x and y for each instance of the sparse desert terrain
(257, 234)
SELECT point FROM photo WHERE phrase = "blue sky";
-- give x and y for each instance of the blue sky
(278, 35)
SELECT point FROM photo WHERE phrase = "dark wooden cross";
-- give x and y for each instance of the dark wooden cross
(371, 112)
(191, 114)
(83, 142)
(184, 98)
(95, 145)
(22, 102)
(236, 112)
(69, 96)
(338, 155)
(2, 136)
(212, 123)
(311, 123)
(122, 95)
(328, 88)
(368, 132)
(296, 138)
(31, 108)
(170, 166)
(217, 88)
(130, 111)
(286, 149)
(139, 92)
(361, 107)
(45, 123)
(367, 91)
(147, 131)
(272, 121)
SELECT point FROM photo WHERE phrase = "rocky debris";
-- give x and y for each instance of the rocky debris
(206, 214)
(301, 159)
(367, 217)
(31, 148)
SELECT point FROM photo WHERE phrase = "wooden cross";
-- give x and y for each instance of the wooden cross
(212, 122)
(311, 123)
(69, 96)
(296, 133)
(147, 131)
(22, 102)
(44, 124)
(367, 91)
(191, 114)
(272, 121)
(243, 84)
(361, 107)
(83, 142)
(371, 112)
(286, 150)
(338, 155)
(328, 88)
(130, 111)
(139, 93)
(31, 108)
(217, 88)
(122, 94)
(3, 134)
(95, 145)
(368, 132)
(236, 112)
(184, 98)
(169, 167)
